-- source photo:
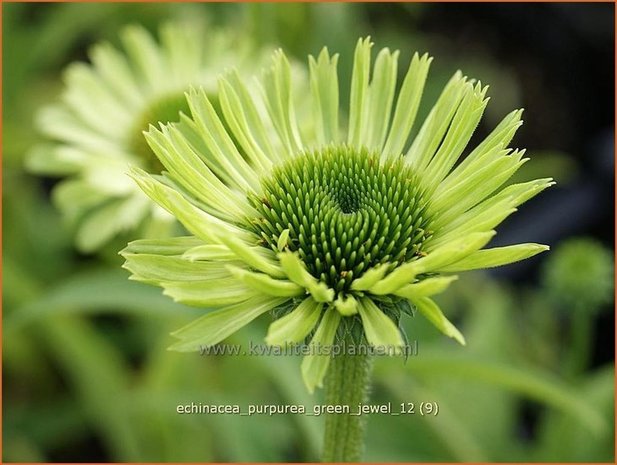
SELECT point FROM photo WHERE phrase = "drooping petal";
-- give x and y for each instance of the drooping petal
(264, 283)
(209, 292)
(347, 305)
(432, 312)
(216, 326)
(215, 252)
(315, 364)
(156, 268)
(379, 328)
(197, 221)
(369, 278)
(296, 272)
(296, 325)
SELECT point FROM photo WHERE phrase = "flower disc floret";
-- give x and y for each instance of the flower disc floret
(347, 211)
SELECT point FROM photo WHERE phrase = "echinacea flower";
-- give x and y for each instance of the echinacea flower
(329, 223)
(95, 131)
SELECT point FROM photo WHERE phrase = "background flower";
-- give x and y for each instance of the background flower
(106, 105)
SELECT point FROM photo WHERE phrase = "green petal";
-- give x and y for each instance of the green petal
(216, 326)
(498, 139)
(209, 293)
(315, 365)
(163, 246)
(369, 278)
(113, 67)
(358, 104)
(436, 258)
(161, 268)
(279, 101)
(59, 123)
(256, 129)
(89, 98)
(459, 133)
(296, 271)
(381, 95)
(215, 252)
(259, 258)
(102, 224)
(224, 157)
(76, 197)
(487, 214)
(489, 258)
(264, 283)
(144, 53)
(189, 170)
(243, 120)
(379, 328)
(437, 123)
(432, 313)
(325, 92)
(198, 222)
(425, 288)
(468, 190)
(346, 306)
(55, 160)
(296, 325)
(453, 251)
(407, 105)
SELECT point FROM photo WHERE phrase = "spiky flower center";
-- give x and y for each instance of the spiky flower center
(346, 211)
(164, 110)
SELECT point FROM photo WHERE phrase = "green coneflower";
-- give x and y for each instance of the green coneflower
(96, 128)
(335, 229)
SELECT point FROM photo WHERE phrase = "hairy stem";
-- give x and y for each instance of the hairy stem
(346, 383)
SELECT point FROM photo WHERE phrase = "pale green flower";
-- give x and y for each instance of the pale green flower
(95, 131)
(336, 227)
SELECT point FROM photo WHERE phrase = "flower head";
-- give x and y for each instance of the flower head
(96, 128)
(334, 227)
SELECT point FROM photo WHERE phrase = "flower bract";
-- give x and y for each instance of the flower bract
(337, 220)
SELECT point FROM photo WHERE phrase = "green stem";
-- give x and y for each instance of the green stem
(346, 384)
(580, 343)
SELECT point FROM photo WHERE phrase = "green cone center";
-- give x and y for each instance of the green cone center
(346, 211)
(164, 110)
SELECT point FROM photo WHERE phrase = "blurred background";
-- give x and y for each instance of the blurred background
(86, 376)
